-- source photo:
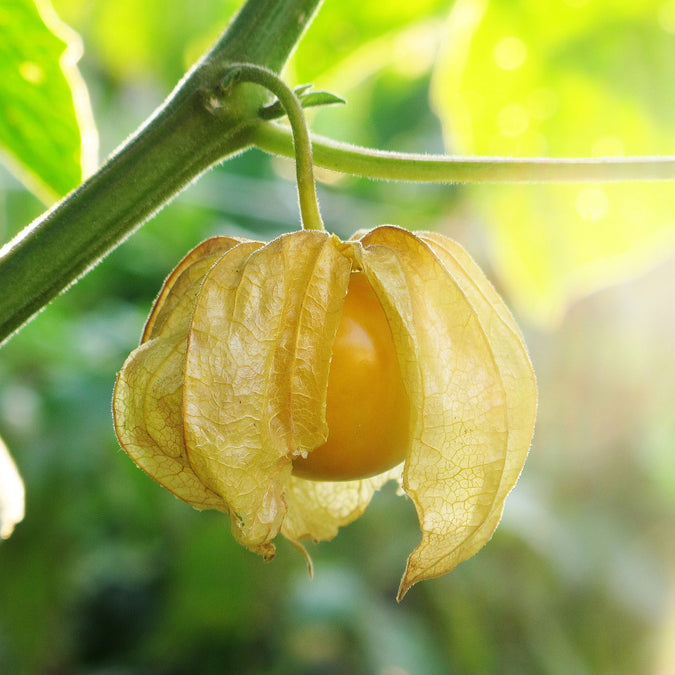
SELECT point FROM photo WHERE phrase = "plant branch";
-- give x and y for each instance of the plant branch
(379, 164)
(193, 129)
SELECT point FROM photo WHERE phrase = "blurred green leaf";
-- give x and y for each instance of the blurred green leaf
(141, 41)
(349, 40)
(563, 79)
(47, 135)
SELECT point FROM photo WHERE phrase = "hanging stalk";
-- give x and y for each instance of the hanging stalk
(302, 145)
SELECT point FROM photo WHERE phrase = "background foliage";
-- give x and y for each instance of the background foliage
(108, 573)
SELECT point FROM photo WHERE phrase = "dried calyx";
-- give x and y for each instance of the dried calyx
(245, 367)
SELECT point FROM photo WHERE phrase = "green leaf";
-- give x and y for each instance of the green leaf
(319, 98)
(350, 39)
(313, 99)
(148, 41)
(47, 136)
(563, 79)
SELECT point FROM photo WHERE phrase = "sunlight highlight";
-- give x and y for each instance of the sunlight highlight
(592, 204)
(513, 120)
(608, 146)
(510, 53)
(32, 72)
(667, 16)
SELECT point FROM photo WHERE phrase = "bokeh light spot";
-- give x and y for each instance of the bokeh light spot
(32, 72)
(592, 204)
(608, 146)
(513, 120)
(542, 103)
(667, 16)
(510, 53)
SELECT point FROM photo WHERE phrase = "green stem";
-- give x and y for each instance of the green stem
(379, 164)
(302, 145)
(264, 32)
(188, 134)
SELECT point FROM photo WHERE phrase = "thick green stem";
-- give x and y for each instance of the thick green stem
(360, 161)
(302, 145)
(193, 130)
(264, 32)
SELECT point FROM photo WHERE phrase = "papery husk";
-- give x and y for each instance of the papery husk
(257, 372)
(229, 386)
(316, 509)
(172, 310)
(148, 396)
(12, 493)
(471, 387)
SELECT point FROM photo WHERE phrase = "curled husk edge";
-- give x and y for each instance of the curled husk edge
(229, 385)
(12, 493)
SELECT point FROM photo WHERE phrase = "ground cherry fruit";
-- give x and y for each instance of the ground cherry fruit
(256, 351)
(367, 408)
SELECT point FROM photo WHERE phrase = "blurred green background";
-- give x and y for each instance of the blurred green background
(109, 573)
